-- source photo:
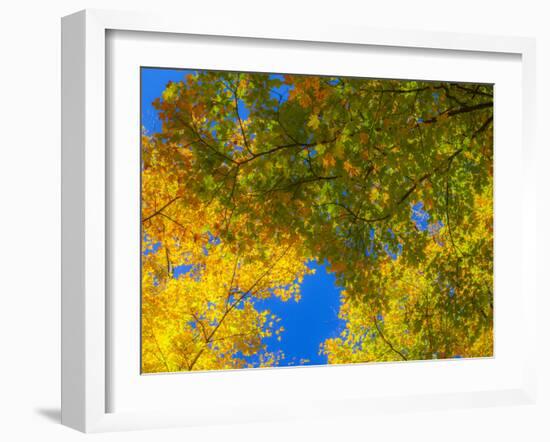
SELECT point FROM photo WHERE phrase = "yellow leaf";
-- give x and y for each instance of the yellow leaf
(313, 121)
(339, 151)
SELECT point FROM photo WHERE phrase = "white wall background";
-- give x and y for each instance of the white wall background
(30, 215)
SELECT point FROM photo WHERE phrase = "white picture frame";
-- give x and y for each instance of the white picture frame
(85, 233)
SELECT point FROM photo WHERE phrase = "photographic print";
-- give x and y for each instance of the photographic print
(292, 220)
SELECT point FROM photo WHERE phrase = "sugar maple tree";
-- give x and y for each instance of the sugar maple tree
(253, 175)
(198, 292)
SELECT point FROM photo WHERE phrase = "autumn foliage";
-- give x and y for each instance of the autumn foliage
(252, 176)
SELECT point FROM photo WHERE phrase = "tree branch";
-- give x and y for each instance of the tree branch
(235, 303)
(458, 111)
(388, 343)
(173, 200)
(236, 100)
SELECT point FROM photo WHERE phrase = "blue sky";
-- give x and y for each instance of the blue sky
(308, 322)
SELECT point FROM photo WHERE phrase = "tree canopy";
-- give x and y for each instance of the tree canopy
(252, 176)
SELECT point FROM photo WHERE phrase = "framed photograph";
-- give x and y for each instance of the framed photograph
(281, 223)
